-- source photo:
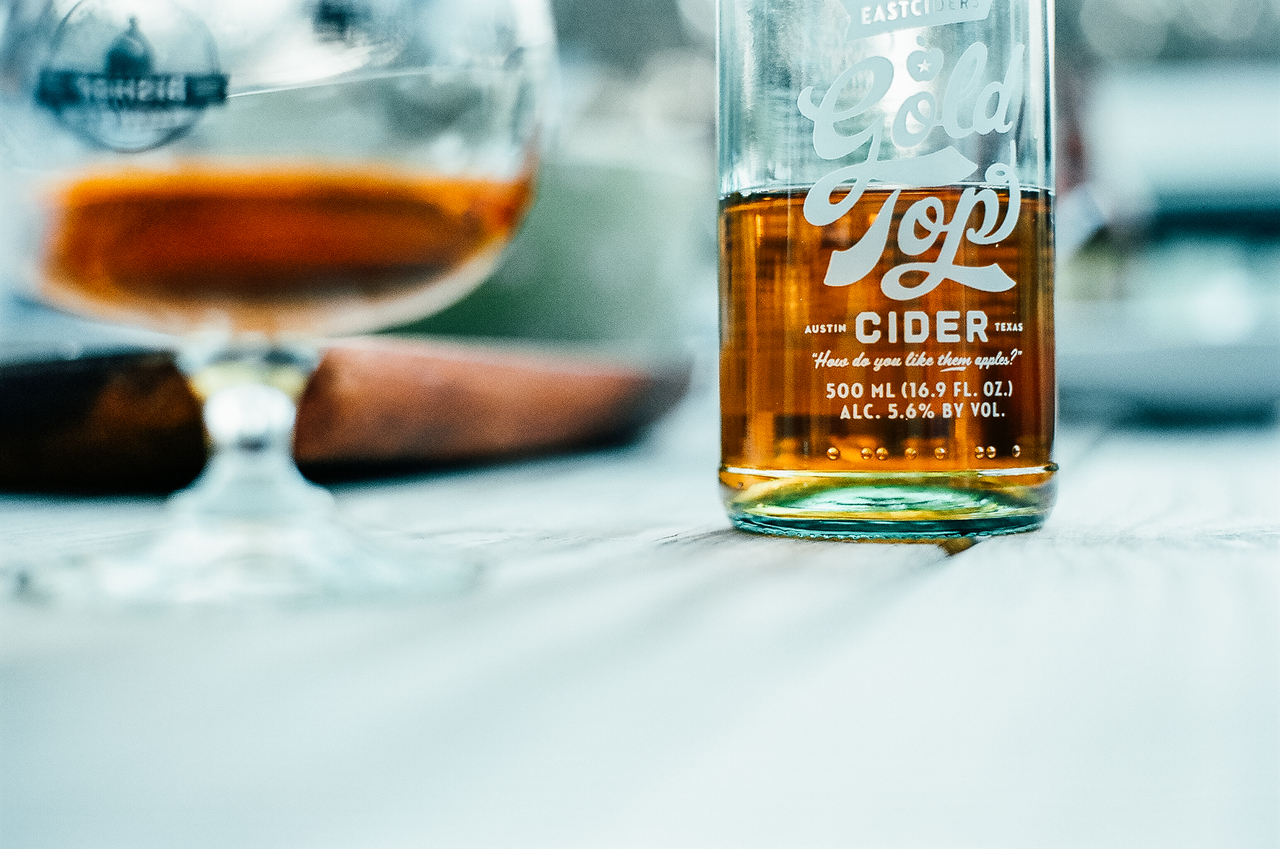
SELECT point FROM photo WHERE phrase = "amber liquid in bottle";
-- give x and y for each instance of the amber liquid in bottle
(847, 413)
(271, 250)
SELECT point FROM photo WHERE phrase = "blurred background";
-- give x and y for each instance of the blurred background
(1169, 200)
(1169, 208)
(620, 248)
(1168, 205)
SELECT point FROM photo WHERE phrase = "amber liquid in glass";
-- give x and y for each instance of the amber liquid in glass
(272, 250)
(847, 413)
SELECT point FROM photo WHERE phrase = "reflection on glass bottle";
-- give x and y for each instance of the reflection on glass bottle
(338, 20)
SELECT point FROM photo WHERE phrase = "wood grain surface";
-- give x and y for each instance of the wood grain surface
(631, 672)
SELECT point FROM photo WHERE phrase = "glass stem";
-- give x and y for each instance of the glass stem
(250, 394)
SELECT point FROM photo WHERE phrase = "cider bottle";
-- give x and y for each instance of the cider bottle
(886, 267)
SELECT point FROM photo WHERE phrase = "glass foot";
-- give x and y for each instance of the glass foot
(217, 560)
(251, 528)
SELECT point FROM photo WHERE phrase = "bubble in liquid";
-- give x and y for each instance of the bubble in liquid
(882, 453)
(910, 453)
(940, 453)
(991, 452)
(866, 454)
(1017, 450)
(833, 453)
(979, 452)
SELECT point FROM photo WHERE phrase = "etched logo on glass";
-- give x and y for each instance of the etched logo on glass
(130, 77)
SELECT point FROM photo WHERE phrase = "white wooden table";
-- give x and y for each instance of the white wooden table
(632, 672)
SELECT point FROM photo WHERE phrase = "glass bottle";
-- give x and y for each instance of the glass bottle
(886, 266)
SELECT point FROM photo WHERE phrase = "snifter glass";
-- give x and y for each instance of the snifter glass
(253, 176)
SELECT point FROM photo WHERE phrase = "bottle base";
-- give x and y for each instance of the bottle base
(889, 506)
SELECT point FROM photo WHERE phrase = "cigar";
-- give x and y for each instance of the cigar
(126, 422)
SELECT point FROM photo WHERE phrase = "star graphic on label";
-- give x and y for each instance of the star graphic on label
(924, 66)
